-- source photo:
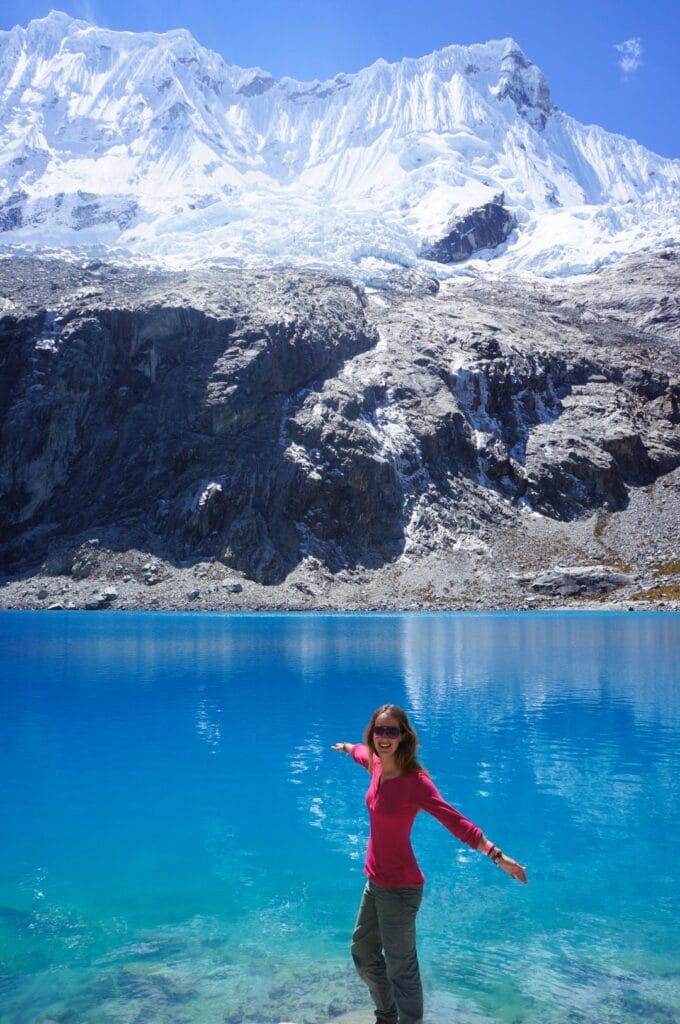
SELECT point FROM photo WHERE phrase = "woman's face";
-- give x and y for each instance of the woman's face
(386, 746)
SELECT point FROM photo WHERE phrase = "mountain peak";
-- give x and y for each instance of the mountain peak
(56, 23)
(59, 18)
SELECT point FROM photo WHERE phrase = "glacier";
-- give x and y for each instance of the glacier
(148, 147)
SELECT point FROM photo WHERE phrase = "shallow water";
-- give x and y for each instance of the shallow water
(179, 843)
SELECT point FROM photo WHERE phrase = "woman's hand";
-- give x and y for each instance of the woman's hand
(343, 748)
(512, 868)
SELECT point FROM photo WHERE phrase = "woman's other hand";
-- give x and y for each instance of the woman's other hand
(512, 868)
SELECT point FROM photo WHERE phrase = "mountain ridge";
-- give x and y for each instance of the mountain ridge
(150, 146)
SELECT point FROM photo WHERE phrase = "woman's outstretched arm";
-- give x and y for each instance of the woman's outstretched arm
(510, 866)
(357, 751)
(431, 800)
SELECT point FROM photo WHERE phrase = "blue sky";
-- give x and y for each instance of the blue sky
(608, 62)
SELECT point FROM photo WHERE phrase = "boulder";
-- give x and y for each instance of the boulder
(567, 581)
(484, 228)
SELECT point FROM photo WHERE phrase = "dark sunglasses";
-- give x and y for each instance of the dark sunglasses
(390, 732)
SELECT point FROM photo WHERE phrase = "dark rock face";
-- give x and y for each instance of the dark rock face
(167, 417)
(257, 85)
(266, 419)
(11, 212)
(523, 83)
(78, 211)
(484, 228)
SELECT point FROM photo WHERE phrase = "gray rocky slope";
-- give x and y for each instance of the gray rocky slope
(241, 439)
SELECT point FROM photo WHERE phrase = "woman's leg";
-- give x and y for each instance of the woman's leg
(368, 958)
(396, 910)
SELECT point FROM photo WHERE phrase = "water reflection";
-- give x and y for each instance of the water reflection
(208, 724)
(577, 688)
(580, 655)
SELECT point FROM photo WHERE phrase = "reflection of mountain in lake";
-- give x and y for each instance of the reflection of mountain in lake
(467, 661)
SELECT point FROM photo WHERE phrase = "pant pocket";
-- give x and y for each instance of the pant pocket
(410, 897)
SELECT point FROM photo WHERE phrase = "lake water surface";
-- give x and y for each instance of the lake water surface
(178, 843)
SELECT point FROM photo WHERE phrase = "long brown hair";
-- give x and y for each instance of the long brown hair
(405, 756)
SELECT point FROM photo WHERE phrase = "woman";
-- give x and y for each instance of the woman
(384, 939)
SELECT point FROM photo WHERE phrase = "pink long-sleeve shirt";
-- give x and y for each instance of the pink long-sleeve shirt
(392, 807)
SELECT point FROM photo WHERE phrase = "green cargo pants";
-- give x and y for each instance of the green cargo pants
(384, 952)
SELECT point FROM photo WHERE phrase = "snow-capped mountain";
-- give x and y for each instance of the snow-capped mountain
(150, 145)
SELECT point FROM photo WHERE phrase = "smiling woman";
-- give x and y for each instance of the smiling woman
(384, 939)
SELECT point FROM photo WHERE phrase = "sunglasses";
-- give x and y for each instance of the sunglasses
(390, 732)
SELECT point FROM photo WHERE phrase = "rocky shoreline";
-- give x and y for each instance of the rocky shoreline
(597, 564)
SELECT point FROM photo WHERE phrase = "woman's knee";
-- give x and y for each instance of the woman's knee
(402, 961)
(363, 951)
(367, 954)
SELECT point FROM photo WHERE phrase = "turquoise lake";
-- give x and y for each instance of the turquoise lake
(178, 843)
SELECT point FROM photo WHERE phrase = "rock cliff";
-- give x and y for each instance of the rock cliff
(296, 440)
